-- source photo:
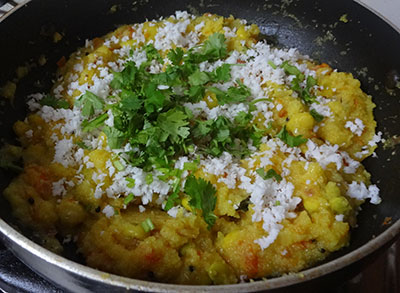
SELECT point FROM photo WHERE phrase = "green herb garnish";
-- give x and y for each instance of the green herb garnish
(148, 111)
(94, 123)
(118, 165)
(292, 70)
(172, 200)
(89, 102)
(304, 93)
(128, 199)
(82, 145)
(202, 197)
(271, 173)
(272, 64)
(131, 182)
(215, 47)
(149, 178)
(147, 225)
(292, 141)
(233, 95)
(318, 117)
(51, 101)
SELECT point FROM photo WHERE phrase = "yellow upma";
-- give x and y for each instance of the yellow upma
(190, 152)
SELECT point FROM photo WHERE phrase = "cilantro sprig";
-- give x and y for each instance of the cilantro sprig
(271, 173)
(317, 116)
(232, 95)
(51, 101)
(148, 113)
(89, 103)
(303, 92)
(202, 197)
(219, 135)
(290, 140)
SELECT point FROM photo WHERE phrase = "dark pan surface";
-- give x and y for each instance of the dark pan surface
(365, 46)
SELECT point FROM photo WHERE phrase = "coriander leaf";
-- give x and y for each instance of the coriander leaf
(94, 123)
(222, 73)
(195, 93)
(307, 97)
(311, 81)
(125, 78)
(243, 118)
(51, 101)
(198, 78)
(128, 199)
(214, 47)
(82, 145)
(223, 135)
(115, 137)
(171, 201)
(130, 101)
(175, 56)
(176, 184)
(117, 164)
(292, 141)
(191, 166)
(202, 197)
(149, 178)
(174, 124)
(131, 182)
(271, 173)
(89, 102)
(188, 112)
(233, 95)
(202, 128)
(238, 94)
(292, 70)
(155, 99)
(147, 225)
(318, 117)
(152, 53)
(272, 64)
(304, 93)
(297, 87)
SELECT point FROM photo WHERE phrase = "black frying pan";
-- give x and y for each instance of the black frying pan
(365, 45)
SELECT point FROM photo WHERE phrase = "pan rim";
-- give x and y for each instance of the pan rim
(11, 237)
(380, 15)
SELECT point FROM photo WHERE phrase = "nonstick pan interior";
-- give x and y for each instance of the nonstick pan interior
(364, 45)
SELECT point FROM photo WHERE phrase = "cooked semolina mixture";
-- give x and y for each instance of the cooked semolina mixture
(185, 150)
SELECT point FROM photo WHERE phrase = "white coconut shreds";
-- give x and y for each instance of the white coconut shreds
(359, 190)
(257, 67)
(108, 211)
(327, 154)
(356, 127)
